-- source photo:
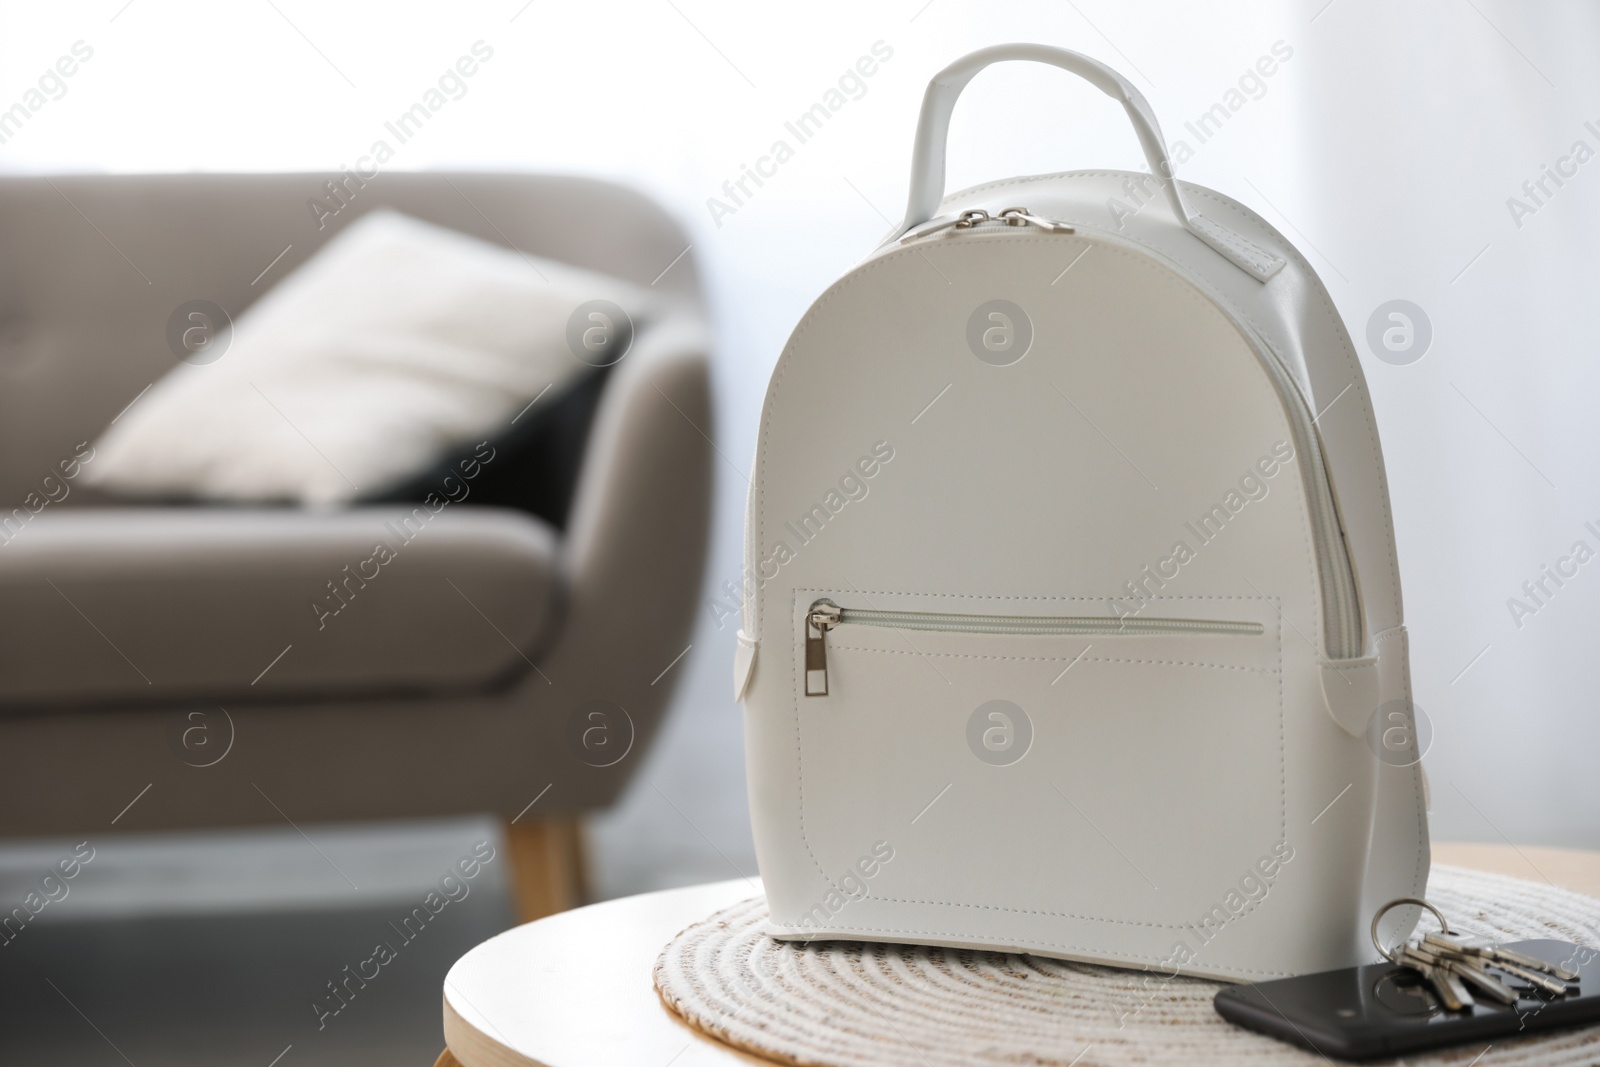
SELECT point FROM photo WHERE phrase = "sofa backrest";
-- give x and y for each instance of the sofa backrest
(92, 267)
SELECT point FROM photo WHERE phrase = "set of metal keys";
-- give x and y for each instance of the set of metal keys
(1450, 965)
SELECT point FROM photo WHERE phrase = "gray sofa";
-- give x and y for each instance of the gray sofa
(170, 653)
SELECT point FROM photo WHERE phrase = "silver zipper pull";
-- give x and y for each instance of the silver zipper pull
(1021, 216)
(964, 221)
(823, 616)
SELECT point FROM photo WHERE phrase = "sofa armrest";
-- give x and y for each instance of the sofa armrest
(636, 544)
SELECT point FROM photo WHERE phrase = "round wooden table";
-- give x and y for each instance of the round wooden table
(574, 990)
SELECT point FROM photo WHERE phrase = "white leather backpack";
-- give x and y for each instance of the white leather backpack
(1072, 616)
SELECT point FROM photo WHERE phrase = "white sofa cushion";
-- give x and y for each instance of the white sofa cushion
(395, 342)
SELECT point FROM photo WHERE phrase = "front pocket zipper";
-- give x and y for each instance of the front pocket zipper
(824, 615)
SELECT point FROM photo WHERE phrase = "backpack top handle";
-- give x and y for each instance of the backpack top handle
(933, 129)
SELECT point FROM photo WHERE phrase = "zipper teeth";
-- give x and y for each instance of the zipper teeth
(1341, 610)
(1042, 624)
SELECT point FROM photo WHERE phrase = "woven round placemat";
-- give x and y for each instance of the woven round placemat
(858, 1004)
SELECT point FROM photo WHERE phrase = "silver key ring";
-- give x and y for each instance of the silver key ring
(1389, 954)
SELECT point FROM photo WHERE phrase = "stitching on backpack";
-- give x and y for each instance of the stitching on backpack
(1029, 911)
(1237, 239)
(1097, 950)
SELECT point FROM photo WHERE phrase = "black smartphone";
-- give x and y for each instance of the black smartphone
(1382, 1009)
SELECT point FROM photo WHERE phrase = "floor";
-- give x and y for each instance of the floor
(230, 989)
(180, 950)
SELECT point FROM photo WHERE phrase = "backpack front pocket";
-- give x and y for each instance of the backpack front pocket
(1039, 753)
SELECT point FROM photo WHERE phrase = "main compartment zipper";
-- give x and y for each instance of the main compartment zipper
(824, 615)
(973, 219)
(1341, 601)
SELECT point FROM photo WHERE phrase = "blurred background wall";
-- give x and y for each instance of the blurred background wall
(1391, 143)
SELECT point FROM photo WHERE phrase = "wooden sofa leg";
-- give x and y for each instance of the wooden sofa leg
(547, 866)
